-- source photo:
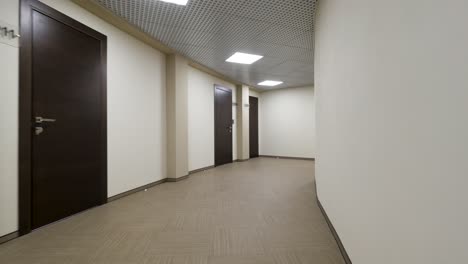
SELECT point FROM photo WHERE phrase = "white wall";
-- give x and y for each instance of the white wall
(287, 122)
(136, 111)
(136, 104)
(9, 13)
(392, 130)
(254, 93)
(201, 118)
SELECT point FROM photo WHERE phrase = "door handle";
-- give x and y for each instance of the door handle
(40, 120)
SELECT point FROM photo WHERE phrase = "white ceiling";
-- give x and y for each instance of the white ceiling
(210, 31)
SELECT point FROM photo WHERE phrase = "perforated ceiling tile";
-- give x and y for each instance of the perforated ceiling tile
(279, 34)
(286, 52)
(307, 67)
(209, 31)
(169, 34)
(304, 41)
(241, 26)
(287, 67)
(306, 57)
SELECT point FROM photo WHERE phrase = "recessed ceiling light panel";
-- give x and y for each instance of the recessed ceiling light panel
(244, 58)
(270, 83)
(177, 2)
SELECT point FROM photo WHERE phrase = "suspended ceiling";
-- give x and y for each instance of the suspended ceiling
(210, 31)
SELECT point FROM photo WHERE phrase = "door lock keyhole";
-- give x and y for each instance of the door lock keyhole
(38, 130)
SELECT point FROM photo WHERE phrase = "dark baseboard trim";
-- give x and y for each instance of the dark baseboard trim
(177, 179)
(8, 237)
(139, 189)
(201, 169)
(241, 160)
(284, 157)
(335, 234)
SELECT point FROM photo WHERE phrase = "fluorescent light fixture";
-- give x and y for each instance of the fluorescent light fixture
(270, 83)
(244, 58)
(177, 2)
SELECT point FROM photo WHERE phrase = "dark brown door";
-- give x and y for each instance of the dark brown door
(253, 126)
(68, 115)
(223, 126)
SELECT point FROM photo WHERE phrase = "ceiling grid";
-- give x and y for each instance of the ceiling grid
(210, 31)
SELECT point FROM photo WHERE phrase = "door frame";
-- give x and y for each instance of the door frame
(250, 129)
(216, 86)
(27, 7)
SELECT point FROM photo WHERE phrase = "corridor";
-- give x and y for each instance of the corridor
(260, 211)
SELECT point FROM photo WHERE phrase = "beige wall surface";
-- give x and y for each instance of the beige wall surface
(201, 118)
(243, 147)
(254, 93)
(9, 60)
(177, 114)
(287, 122)
(392, 126)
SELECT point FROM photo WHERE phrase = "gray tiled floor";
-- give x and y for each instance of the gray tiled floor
(260, 211)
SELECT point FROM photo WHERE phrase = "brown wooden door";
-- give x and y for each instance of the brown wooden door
(68, 116)
(223, 126)
(253, 126)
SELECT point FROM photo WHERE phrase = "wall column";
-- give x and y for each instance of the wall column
(177, 117)
(243, 148)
